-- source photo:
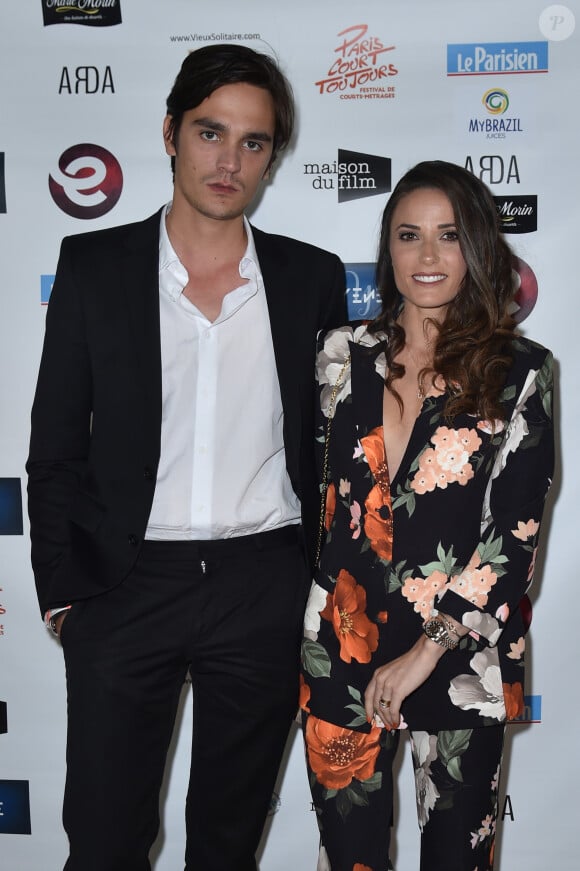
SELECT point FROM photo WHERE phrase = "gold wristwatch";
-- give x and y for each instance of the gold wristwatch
(435, 629)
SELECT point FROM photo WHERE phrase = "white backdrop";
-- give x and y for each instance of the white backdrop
(68, 84)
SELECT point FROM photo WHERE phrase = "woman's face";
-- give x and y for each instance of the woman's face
(427, 261)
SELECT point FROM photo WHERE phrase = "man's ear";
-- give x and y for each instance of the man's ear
(168, 135)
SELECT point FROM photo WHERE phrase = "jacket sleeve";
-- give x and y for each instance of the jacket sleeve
(488, 590)
(60, 426)
(334, 313)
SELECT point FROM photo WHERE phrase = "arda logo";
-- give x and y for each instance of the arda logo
(88, 181)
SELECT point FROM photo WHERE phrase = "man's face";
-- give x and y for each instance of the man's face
(223, 150)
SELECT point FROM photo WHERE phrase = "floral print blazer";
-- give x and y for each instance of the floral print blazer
(456, 529)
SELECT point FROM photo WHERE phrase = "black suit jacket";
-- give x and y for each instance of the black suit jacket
(96, 417)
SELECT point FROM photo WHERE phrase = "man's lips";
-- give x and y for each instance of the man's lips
(221, 187)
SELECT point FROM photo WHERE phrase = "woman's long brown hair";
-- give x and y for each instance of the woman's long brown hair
(473, 347)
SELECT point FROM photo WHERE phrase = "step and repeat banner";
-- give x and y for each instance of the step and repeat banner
(380, 85)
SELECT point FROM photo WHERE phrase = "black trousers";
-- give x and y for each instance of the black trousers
(229, 612)
(456, 785)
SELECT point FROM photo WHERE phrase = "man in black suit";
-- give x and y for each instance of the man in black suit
(172, 492)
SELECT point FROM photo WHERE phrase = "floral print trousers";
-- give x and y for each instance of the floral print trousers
(456, 783)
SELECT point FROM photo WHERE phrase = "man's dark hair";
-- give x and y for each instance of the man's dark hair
(209, 68)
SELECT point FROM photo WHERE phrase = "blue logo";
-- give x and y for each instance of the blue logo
(46, 282)
(14, 807)
(2, 185)
(532, 712)
(497, 58)
(10, 506)
(363, 301)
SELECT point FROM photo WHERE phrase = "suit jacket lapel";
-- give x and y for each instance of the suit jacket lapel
(277, 276)
(140, 285)
(367, 387)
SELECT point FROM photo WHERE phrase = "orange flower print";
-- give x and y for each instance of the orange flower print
(378, 529)
(513, 695)
(359, 867)
(345, 609)
(373, 445)
(337, 755)
(448, 462)
(304, 696)
(382, 616)
(422, 591)
(378, 520)
(474, 582)
(527, 530)
(330, 506)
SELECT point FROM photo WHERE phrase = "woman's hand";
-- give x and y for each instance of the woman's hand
(392, 683)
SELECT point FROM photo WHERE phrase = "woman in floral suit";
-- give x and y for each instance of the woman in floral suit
(437, 465)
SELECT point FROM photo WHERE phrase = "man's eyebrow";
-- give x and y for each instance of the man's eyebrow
(209, 123)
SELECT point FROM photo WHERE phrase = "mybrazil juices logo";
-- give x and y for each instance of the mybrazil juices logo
(497, 58)
(87, 182)
(496, 102)
(353, 175)
(95, 13)
(360, 68)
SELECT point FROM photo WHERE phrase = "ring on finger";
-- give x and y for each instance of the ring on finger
(384, 703)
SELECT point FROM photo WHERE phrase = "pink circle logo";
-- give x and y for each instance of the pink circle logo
(88, 181)
(526, 287)
(526, 612)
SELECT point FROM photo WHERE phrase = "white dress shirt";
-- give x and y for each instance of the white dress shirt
(222, 471)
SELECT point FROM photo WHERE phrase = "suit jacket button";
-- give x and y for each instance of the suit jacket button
(148, 473)
(133, 540)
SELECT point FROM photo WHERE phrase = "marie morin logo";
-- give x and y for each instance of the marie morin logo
(94, 13)
(517, 214)
(352, 175)
(87, 182)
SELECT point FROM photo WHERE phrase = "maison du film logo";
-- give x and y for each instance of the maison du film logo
(353, 175)
(497, 58)
(87, 182)
(360, 69)
(497, 124)
(94, 13)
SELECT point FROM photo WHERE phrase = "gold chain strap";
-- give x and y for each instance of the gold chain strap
(324, 483)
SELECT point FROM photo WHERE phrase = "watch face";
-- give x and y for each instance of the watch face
(433, 628)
